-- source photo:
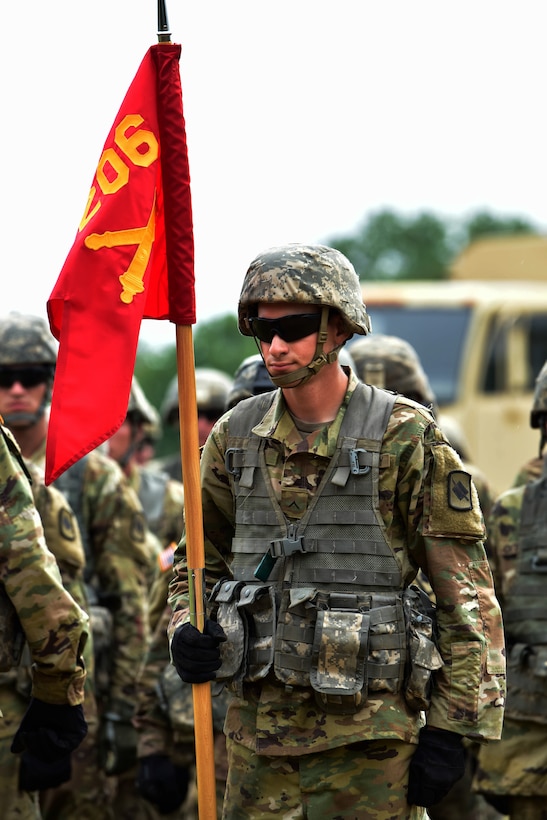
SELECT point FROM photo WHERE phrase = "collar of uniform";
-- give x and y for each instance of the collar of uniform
(278, 424)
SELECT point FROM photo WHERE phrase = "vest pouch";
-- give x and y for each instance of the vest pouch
(527, 683)
(338, 667)
(424, 657)
(387, 644)
(294, 636)
(257, 606)
(233, 650)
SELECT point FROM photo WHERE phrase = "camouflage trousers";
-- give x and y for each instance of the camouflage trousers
(362, 780)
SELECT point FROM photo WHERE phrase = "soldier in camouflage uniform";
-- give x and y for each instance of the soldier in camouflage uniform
(513, 773)
(162, 499)
(320, 503)
(117, 569)
(35, 606)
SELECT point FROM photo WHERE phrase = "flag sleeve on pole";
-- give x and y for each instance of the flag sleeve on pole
(116, 272)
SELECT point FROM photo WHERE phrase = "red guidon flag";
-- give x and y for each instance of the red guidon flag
(133, 258)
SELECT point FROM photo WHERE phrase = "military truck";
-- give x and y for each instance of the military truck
(482, 340)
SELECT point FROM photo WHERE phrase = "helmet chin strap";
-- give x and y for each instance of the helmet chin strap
(320, 359)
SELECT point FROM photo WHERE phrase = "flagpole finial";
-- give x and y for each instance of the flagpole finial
(164, 35)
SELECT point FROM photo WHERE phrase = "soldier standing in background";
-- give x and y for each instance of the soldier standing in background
(212, 388)
(117, 568)
(35, 606)
(320, 502)
(512, 774)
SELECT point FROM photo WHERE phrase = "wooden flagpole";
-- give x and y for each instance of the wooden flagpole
(195, 552)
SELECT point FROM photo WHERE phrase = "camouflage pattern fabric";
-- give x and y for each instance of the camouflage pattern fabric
(424, 531)
(250, 379)
(362, 780)
(392, 362)
(26, 339)
(305, 274)
(518, 764)
(55, 626)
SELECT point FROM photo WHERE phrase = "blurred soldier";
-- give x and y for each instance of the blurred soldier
(393, 363)
(512, 773)
(34, 606)
(164, 716)
(115, 541)
(533, 468)
(162, 499)
(320, 502)
(212, 387)
(250, 379)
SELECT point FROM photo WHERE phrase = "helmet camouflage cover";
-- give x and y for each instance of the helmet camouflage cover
(539, 406)
(26, 339)
(212, 387)
(250, 379)
(306, 274)
(392, 362)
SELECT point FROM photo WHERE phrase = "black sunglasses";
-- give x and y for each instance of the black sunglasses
(27, 376)
(289, 328)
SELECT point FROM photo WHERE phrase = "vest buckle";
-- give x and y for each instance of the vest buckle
(354, 466)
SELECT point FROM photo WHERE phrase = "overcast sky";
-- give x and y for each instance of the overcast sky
(303, 117)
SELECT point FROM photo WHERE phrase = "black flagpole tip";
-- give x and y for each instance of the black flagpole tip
(164, 35)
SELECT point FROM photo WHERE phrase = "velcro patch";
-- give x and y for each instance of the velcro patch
(67, 530)
(138, 527)
(459, 491)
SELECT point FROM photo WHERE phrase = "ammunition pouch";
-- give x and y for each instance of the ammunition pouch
(342, 645)
(12, 636)
(527, 683)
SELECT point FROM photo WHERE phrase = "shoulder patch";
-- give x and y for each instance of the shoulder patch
(459, 491)
(67, 528)
(138, 527)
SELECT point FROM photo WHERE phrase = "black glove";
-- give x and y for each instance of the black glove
(196, 655)
(50, 731)
(438, 763)
(162, 783)
(117, 743)
(36, 774)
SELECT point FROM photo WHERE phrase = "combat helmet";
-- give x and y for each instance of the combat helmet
(26, 341)
(307, 275)
(392, 362)
(212, 387)
(250, 379)
(140, 411)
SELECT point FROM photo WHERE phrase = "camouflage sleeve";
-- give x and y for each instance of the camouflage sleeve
(503, 539)
(122, 565)
(55, 626)
(447, 527)
(218, 523)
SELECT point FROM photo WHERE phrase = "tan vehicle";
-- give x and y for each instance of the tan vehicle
(482, 340)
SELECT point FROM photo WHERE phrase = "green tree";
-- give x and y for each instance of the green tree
(218, 343)
(390, 246)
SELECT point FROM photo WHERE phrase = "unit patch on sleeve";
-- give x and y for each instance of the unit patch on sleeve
(459, 491)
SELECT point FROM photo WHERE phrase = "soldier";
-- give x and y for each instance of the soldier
(162, 499)
(117, 567)
(212, 388)
(512, 774)
(321, 501)
(35, 606)
(392, 362)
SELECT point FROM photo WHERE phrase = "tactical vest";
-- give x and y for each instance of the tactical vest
(317, 602)
(525, 613)
(152, 489)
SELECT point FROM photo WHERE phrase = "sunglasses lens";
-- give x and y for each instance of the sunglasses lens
(289, 328)
(27, 376)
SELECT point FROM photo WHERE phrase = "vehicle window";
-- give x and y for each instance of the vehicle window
(436, 333)
(534, 327)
